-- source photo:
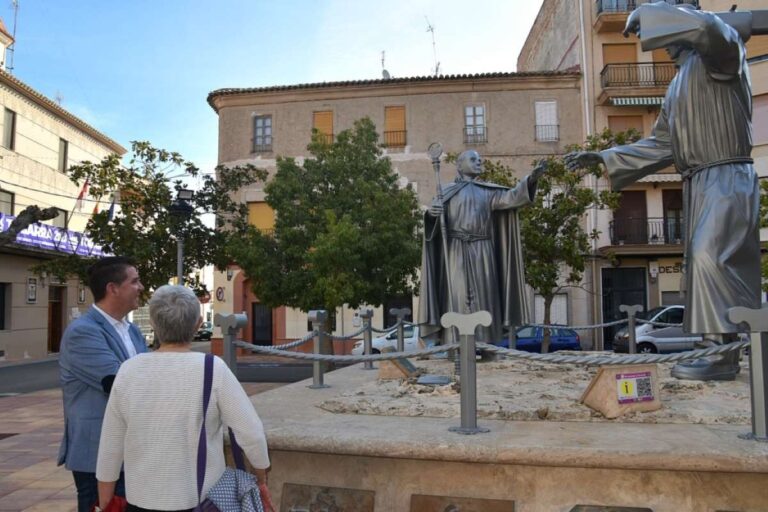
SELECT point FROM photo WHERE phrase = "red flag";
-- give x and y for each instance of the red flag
(81, 197)
(95, 208)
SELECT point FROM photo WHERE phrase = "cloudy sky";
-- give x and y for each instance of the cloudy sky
(142, 69)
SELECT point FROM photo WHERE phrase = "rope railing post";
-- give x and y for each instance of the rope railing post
(367, 316)
(400, 314)
(318, 318)
(466, 325)
(631, 312)
(229, 325)
(757, 319)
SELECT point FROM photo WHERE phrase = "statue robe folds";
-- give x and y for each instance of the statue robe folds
(704, 129)
(484, 255)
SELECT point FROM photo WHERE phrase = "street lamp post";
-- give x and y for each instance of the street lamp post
(182, 210)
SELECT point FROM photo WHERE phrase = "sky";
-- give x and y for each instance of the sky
(142, 69)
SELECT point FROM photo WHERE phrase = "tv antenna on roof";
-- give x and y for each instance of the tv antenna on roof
(384, 73)
(12, 47)
(431, 29)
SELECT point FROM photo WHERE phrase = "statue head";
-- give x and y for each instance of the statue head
(469, 164)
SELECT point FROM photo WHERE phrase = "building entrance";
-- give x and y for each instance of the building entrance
(621, 286)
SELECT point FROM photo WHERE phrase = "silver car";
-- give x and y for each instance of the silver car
(660, 340)
(653, 339)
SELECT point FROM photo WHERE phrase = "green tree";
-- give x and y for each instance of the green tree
(345, 231)
(556, 245)
(143, 228)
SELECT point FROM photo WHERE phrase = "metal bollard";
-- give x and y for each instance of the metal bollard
(466, 325)
(367, 315)
(631, 312)
(400, 314)
(757, 319)
(318, 317)
(230, 324)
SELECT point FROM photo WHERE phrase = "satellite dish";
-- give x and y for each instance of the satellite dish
(385, 74)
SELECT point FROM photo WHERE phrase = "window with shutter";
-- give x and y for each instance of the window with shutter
(475, 129)
(547, 128)
(262, 133)
(323, 123)
(394, 127)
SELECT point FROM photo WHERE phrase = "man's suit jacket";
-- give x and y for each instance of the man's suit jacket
(91, 349)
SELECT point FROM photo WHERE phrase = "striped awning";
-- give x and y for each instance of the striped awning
(638, 101)
(661, 178)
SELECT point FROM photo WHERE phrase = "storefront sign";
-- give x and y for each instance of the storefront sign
(43, 236)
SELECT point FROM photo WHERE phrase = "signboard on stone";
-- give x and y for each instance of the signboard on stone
(619, 389)
(400, 368)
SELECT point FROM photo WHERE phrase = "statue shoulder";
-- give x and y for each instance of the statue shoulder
(488, 184)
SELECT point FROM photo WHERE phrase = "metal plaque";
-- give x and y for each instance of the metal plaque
(310, 498)
(424, 503)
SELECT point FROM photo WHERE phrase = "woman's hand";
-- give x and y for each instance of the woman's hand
(266, 497)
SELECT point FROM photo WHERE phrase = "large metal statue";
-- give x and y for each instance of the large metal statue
(478, 265)
(704, 129)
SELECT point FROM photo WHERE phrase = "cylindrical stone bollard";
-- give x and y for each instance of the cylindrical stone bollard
(367, 316)
(757, 319)
(318, 318)
(400, 314)
(466, 325)
(631, 312)
(229, 325)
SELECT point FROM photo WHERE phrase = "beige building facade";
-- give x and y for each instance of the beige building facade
(40, 140)
(514, 118)
(624, 88)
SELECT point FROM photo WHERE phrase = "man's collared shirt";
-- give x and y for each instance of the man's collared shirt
(122, 328)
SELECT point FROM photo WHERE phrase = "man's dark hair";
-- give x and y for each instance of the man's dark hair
(112, 269)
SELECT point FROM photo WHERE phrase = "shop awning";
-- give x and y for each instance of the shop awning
(637, 101)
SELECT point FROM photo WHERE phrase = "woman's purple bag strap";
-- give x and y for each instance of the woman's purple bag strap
(202, 443)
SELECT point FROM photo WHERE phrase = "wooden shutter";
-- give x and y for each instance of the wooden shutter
(323, 122)
(619, 53)
(261, 216)
(624, 123)
(760, 119)
(757, 45)
(394, 126)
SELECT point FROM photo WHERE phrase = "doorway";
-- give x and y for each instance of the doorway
(55, 316)
(399, 302)
(261, 324)
(621, 286)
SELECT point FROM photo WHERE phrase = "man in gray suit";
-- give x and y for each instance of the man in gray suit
(92, 349)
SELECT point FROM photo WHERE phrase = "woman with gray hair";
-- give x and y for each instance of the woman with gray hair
(154, 416)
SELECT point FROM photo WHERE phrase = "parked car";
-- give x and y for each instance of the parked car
(205, 332)
(529, 339)
(653, 339)
(410, 337)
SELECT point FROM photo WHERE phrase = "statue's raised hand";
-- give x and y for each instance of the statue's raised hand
(580, 159)
(633, 24)
(541, 167)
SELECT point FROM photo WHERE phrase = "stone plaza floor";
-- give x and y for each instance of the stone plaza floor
(31, 427)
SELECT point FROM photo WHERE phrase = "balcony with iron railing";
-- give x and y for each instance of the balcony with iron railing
(477, 134)
(547, 132)
(646, 231)
(262, 145)
(395, 139)
(611, 15)
(635, 79)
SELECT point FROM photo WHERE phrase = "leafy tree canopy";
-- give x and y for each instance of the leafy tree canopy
(143, 228)
(345, 231)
